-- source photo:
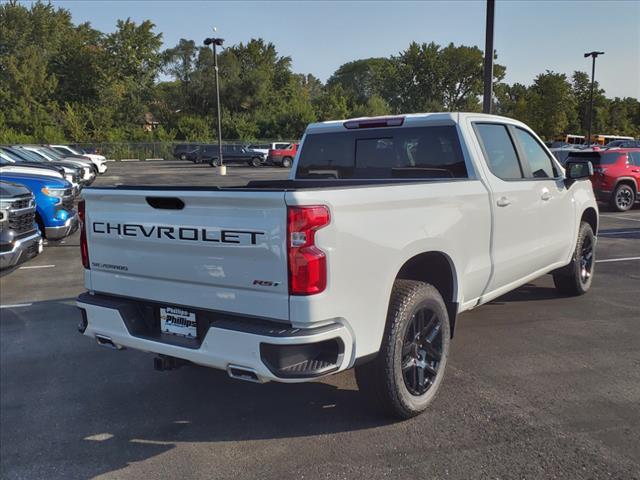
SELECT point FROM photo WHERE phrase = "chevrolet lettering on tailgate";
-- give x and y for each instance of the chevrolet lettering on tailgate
(242, 237)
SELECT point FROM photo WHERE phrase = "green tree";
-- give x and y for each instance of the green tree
(551, 105)
(361, 79)
(332, 104)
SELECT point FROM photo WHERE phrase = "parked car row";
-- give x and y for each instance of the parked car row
(255, 155)
(38, 189)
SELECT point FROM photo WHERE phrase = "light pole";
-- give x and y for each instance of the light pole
(217, 42)
(594, 55)
(488, 58)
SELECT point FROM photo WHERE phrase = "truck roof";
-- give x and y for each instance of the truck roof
(410, 119)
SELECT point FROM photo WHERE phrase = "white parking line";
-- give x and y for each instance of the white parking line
(36, 266)
(17, 305)
(624, 232)
(626, 259)
(620, 217)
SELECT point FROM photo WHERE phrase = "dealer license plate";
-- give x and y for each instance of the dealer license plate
(178, 322)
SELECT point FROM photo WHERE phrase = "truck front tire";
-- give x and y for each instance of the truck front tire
(575, 279)
(286, 162)
(406, 375)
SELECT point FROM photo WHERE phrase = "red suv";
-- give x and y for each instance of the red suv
(283, 156)
(616, 175)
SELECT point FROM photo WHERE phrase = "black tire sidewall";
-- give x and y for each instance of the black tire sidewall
(256, 162)
(286, 162)
(572, 283)
(585, 231)
(422, 295)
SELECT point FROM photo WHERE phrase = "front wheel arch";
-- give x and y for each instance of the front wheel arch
(591, 217)
(40, 223)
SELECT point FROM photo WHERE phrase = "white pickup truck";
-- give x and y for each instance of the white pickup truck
(387, 230)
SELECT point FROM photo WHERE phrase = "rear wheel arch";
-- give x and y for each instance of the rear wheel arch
(627, 181)
(435, 268)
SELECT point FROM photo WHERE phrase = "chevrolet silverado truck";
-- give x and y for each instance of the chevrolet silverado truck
(20, 238)
(387, 229)
(54, 201)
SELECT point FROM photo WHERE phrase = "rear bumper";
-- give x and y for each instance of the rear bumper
(69, 226)
(21, 250)
(226, 344)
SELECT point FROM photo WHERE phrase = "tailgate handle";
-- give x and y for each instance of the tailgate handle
(166, 203)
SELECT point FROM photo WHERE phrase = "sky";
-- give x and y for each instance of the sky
(530, 36)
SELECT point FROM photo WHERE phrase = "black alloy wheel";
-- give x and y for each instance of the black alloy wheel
(422, 351)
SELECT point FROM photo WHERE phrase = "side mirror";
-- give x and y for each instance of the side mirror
(575, 170)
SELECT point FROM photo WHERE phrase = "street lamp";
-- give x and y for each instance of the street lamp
(594, 55)
(488, 58)
(217, 42)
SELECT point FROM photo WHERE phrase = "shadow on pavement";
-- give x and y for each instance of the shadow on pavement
(95, 410)
(527, 293)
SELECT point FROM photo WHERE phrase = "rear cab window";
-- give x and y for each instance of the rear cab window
(499, 151)
(383, 153)
(540, 163)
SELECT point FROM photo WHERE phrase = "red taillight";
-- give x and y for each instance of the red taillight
(84, 249)
(307, 263)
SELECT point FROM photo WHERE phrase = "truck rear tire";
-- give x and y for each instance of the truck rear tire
(256, 162)
(286, 162)
(406, 375)
(575, 279)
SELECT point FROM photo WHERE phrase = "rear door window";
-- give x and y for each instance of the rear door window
(411, 152)
(539, 161)
(499, 151)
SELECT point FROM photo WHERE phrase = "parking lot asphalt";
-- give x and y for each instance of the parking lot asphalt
(538, 386)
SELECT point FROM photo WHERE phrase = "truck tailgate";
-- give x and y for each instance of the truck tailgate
(219, 250)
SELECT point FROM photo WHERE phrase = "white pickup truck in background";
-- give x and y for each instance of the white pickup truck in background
(386, 231)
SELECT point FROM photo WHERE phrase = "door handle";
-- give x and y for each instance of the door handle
(545, 195)
(503, 202)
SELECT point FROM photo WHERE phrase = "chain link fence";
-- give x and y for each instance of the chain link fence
(158, 150)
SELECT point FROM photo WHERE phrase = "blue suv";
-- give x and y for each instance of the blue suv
(55, 213)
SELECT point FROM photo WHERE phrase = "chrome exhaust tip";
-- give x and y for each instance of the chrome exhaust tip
(243, 373)
(105, 341)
